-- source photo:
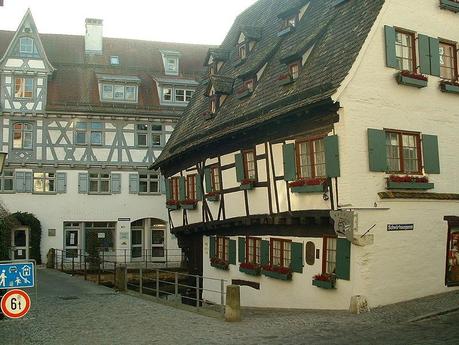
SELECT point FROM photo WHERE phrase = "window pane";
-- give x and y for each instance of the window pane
(143, 187)
(167, 94)
(188, 95)
(142, 127)
(104, 186)
(96, 138)
(142, 139)
(393, 152)
(305, 160)
(93, 186)
(80, 138)
(156, 128)
(156, 139)
(26, 45)
(81, 125)
(118, 92)
(8, 184)
(154, 187)
(97, 125)
(404, 51)
(448, 61)
(131, 93)
(27, 140)
(319, 158)
(180, 95)
(157, 237)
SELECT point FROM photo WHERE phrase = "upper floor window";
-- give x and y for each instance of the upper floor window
(182, 95)
(329, 255)
(311, 158)
(22, 136)
(174, 188)
(250, 164)
(148, 135)
(253, 250)
(7, 181)
(405, 50)
(172, 65)
(223, 248)
(294, 70)
(250, 85)
(114, 60)
(119, 93)
(23, 88)
(242, 51)
(99, 183)
(403, 152)
(281, 252)
(290, 21)
(149, 183)
(448, 61)
(215, 178)
(191, 187)
(26, 46)
(89, 133)
(44, 182)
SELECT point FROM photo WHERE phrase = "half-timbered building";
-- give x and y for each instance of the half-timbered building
(83, 117)
(317, 161)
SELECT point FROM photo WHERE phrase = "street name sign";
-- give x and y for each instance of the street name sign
(17, 275)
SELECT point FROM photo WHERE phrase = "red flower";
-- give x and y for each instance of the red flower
(307, 182)
(450, 82)
(250, 266)
(247, 181)
(325, 277)
(188, 202)
(278, 269)
(172, 202)
(407, 178)
(413, 75)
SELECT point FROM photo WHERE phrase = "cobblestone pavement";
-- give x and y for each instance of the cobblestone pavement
(72, 311)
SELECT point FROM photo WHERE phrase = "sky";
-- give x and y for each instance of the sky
(184, 21)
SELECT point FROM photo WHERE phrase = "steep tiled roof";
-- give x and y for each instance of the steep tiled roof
(73, 86)
(336, 33)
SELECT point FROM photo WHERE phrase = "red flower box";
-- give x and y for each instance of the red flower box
(413, 75)
(277, 269)
(219, 263)
(188, 202)
(407, 178)
(172, 202)
(307, 182)
(249, 265)
(248, 181)
(325, 277)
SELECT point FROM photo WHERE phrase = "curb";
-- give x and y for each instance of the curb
(430, 315)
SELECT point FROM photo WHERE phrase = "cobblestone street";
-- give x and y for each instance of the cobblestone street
(72, 311)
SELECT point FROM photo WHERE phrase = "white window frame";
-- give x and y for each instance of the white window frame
(115, 92)
(47, 181)
(148, 178)
(99, 177)
(21, 45)
(149, 132)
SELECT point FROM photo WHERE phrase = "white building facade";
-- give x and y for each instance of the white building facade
(82, 119)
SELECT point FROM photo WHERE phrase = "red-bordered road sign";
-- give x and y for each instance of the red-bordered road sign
(15, 304)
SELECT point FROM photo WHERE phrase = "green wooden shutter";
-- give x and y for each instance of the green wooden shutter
(434, 44)
(208, 178)
(168, 189)
(20, 181)
(115, 179)
(241, 249)
(332, 156)
(239, 162)
(82, 182)
(343, 259)
(133, 183)
(232, 252)
(391, 57)
(61, 182)
(211, 247)
(430, 152)
(377, 150)
(424, 53)
(162, 184)
(288, 151)
(198, 187)
(28, 182)
(264, 252)
(297, 257)
(182, 188)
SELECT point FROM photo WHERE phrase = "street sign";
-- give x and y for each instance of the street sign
(17, 275)
(15, 304)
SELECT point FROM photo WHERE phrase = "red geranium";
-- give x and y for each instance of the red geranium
(188, 202)
(250, 266)
(307, 182)
(172, 202)
(413, 75)
(407, 178)
(247, 181)
(278, 269)
(325, 277)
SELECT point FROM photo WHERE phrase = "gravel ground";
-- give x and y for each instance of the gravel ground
(72, 311)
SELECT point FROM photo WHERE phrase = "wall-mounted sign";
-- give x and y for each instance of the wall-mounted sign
(344, 223)
(124, 219)
(400, 227)
(101, 235)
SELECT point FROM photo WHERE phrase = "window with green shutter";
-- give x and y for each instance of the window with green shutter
(181, 188)
(264, 252)
(431, 155)
(241, 249)
(377, 150)
(332, 156)
(288, 151)
(391, 59)
(343, 259)
(239, 163)
(232, 252)
(297, 257)
(429, 55)
(212, 251)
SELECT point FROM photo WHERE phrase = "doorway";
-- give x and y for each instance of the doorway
(20, 244)
(72, 239)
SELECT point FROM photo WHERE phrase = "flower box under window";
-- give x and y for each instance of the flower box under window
(412, 79)
(219, 264)
(285, 79)
(172, 205)
(409, 182)
(276, 272)
(247, 184)
(189, 204)
(324, 281)
(307, 185)
(450, 87)
(213, 196)
(450, 5)
(249, 268)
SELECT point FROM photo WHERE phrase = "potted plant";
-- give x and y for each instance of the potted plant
(189, 204)
(449, 86)
(324, 280)
(213, 196)
(409, 182)
(250, 268)
(412, 79)
(172, 204)
(303, 185)
(247, 184)
(219, 263)
(277, 272)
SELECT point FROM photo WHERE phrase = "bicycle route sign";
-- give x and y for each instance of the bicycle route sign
(15, 304)
(17, 275)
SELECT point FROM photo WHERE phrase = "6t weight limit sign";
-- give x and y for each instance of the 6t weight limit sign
(15, 304)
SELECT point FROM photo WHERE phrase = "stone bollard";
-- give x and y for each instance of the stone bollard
(233, 304)
(50, 258)
(359, 304)
(121, 278)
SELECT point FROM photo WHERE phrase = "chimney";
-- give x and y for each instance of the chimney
(93, 38)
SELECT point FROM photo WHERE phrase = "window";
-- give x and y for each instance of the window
(119, 93)
(329, 255)
(252, 250)
(146, 131)
(310, 156)
(290, 21)
(44, 182)
(172, 65)
(157, 240)
(22, 136)
(294, 70)
(142, 135)
(281, 252)
(405, 50)
(99, 236)
(99, 183)
(24, 88)
(191, 187)
(448, 61)
(182, 95)
(25, 46)
(250, 164)
(174, 188)
(222, 248)
(167, 94)
(89, 132)
(452, 272)
(114, 60)
(242, 51)
(215, 178)
(7, 181)
(250, 85)
(403, 152)
(149, 183)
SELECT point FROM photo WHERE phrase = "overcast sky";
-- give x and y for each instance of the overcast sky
(187, 21)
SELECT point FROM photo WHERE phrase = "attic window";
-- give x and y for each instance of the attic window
(243, 51)
(294, 70)
(290, 21)
(114, 60)
(25, 45)
(214, 103)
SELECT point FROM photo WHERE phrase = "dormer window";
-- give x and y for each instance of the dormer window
(171, 65)
(119, 93)
(250, 85)
(114, 60)
(290, 21)
(294, 70)
(214, 103)
(25, 45)
(171, 61)
(243, 51)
